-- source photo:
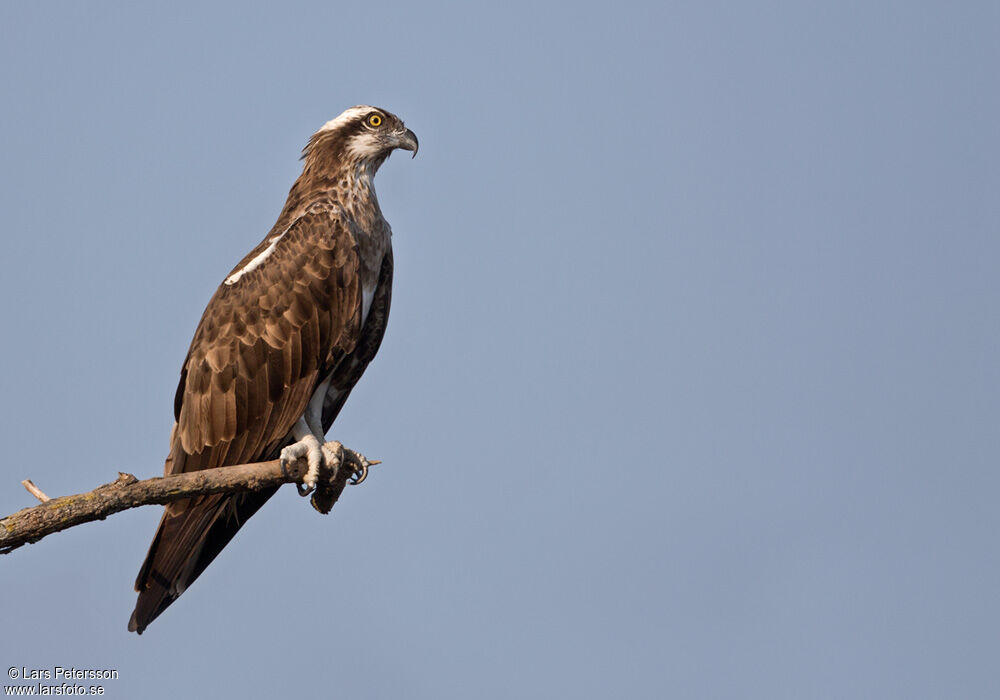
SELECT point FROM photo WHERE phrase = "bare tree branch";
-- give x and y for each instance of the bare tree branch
(32, 524)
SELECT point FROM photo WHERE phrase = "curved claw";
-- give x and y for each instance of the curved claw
(304, 490)
(359, 475)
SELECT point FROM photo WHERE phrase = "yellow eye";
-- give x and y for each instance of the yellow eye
(374, 120)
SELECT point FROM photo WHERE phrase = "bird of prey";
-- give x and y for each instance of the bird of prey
(280, 346)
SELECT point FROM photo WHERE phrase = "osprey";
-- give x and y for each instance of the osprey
(280, 346)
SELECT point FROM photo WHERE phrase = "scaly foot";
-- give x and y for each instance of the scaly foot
(319, 459)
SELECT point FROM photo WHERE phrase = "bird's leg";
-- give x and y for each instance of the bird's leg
(319, 456)
(334, 451)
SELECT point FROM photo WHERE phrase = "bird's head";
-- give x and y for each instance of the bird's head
(362, 136)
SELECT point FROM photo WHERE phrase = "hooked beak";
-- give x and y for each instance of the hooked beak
(408, 141)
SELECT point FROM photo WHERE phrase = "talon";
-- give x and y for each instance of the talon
(333, 456)
(360, 474)
(308, 449)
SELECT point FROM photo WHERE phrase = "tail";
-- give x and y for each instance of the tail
(191, 534)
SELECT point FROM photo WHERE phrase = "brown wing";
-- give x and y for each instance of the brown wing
(263, 344)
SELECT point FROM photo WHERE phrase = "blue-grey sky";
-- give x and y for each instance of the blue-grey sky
(691, 384)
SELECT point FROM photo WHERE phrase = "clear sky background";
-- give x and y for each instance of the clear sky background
(691, 385)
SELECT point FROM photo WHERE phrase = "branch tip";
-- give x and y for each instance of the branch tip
(35, 491)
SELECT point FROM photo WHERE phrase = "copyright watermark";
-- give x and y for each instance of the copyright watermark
(35, 681)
